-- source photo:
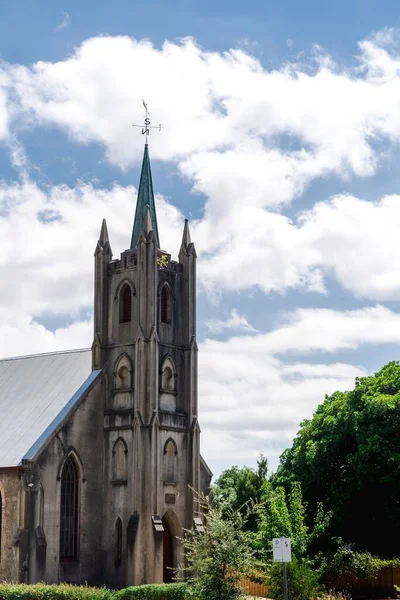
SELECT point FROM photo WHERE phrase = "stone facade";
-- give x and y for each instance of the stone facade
(132, 441)
(12, 522)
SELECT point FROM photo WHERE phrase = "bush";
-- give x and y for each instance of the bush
(40, 591)
(303, 581)
(347, 562)
(219, 557)
(156, 591)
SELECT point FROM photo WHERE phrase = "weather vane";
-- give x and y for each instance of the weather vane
(147, 126)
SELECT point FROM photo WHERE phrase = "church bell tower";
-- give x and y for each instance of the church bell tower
(145, 343)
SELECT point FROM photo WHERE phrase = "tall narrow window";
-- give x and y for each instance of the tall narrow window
(166, 307)
(118, 541)
(125, 304)
(1, 522)
(120, 456)
(170, 457)
(168, 376)
(69, 514)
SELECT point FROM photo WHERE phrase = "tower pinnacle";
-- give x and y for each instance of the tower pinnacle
(145, 199)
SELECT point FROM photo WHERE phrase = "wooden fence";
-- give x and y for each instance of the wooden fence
(254, 588)
(381, 586)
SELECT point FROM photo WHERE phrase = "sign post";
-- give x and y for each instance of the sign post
(282, 552)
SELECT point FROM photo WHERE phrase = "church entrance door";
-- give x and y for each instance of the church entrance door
(168, 552)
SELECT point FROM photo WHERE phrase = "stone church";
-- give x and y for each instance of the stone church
(100, 448)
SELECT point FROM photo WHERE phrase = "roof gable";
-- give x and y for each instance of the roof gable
(36, 393)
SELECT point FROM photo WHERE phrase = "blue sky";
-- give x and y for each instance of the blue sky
(280, 142)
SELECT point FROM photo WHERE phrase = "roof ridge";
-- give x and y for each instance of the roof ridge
(44, 354)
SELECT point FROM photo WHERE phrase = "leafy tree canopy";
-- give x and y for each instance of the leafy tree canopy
(348, 457)
(239, 488)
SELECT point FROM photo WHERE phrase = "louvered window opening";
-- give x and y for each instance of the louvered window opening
(165, 306)
(126, 298)
(69, 511)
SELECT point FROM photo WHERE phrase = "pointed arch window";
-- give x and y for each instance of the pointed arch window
(69, 511)
(166, 305)
(168, 382)
(170, 459)
(122, 373)
(125, 304)
(120, 462)
(118, 541)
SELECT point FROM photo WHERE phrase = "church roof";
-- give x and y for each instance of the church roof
(36, 393)
(145, 198)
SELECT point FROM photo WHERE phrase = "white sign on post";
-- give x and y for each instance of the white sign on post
(282, 549)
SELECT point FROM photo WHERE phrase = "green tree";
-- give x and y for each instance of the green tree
(284, 514)
(219, 557)
(237, 489)
(348, 457)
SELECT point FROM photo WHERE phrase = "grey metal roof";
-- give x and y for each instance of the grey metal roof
(36, 392)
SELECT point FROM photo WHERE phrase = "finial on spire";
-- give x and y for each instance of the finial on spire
(147, 126)
(103, 245)
(104, 233)
(186, 240)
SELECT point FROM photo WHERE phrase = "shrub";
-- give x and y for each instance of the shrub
(156, 591)
(303, 581)
(219, 557)
(40, 591)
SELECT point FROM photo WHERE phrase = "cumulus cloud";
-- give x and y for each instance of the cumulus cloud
(254, 394)
(48, 239)
(353, 239)
(249, 141)
(234, 322)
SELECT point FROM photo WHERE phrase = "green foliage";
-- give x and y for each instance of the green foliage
(218, 558)
(285, 515)
(345, 562)
(348, 457)
(160, 591)
(40, 591)
(238, 489)
(303, 581)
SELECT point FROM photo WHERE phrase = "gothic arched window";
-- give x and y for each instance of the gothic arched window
(125, 304)
(1, 522)
(119, 457)
(118, 540)
(69, 511)
(170, 458)
(168, 376)
(166, 305)
(123, 373)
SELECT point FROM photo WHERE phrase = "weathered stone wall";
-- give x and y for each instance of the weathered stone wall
(81, 434)
(12, 518)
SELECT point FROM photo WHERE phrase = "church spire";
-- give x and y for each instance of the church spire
(104, 233)
(145, 200)
(186, 235)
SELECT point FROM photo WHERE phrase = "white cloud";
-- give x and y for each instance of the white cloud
(250, 141)
(65, 22)
(23, 336)
(48, 240)
(234, 322)
(223, 119)
(252, 401)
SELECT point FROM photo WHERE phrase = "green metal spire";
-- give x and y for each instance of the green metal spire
(145, 198)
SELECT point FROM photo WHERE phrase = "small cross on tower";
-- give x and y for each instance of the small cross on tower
(147, 126)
